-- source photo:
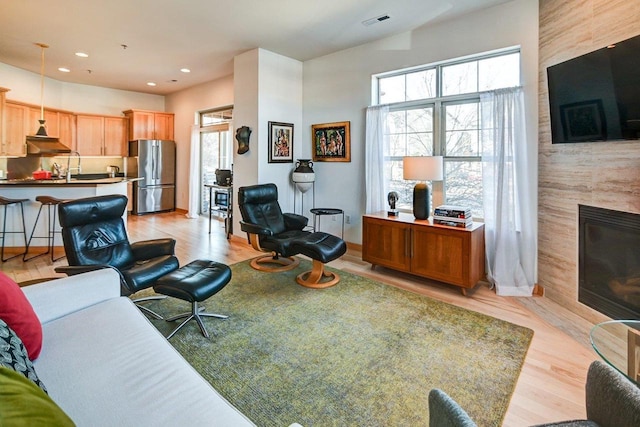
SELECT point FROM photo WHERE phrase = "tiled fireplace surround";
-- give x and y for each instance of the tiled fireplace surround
(605, 174)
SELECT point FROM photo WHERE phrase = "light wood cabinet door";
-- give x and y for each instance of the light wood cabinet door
(115, 136)
(3, 97)
(89, 134)
(141, 124)
(67, 132)
(386, 243)
(16, 117)
(163, 125)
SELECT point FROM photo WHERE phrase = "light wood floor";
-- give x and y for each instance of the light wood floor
(551, 385)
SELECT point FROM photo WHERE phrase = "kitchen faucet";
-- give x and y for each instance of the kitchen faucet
(78, 168)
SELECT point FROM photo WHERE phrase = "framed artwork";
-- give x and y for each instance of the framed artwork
(583, 121)
(280, 142)
(331, 142)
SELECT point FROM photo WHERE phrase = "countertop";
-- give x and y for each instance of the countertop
(84, 181)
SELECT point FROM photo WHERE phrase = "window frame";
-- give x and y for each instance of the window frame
(439, 103)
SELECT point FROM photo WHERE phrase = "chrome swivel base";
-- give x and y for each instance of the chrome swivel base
(146, 310)
(196, 313)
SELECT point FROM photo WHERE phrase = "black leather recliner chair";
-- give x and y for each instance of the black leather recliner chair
(95, 237)
(268, 229)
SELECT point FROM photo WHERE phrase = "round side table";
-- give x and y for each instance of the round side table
(319, 212)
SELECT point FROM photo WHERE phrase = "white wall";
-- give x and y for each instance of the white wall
(337, 88)
(25, 87)
(268, 87)
(280, 100)
(245, 113)
(185, 105)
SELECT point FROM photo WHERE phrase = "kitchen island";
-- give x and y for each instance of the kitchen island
(76, 188)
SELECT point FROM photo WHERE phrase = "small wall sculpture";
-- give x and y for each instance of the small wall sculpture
(243, 134)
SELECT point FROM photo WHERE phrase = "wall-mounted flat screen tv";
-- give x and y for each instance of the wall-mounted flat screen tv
(596, 97)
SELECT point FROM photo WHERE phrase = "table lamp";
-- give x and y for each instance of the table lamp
(422, 169)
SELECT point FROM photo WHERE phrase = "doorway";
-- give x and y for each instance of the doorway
(216, 148)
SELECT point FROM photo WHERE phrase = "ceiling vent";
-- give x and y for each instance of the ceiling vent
(375, 20)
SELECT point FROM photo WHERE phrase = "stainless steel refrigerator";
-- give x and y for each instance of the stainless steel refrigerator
(154, 161)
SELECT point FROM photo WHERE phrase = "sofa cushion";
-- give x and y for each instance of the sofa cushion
(16, 310)
(22, 403)
(131, 375)
(13, 355)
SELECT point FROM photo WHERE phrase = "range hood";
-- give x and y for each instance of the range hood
(45, 146)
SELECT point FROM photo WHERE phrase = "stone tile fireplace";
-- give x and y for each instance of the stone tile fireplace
(609, 261)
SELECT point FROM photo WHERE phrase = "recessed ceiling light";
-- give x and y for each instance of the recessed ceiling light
(151, 84)
(64, 70)
(185, 70)
(82, 55)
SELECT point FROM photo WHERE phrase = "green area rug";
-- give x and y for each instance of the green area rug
(358, 354)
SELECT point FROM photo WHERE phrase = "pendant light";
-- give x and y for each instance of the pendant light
(42, 131)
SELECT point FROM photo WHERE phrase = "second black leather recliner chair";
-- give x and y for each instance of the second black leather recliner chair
(269, 229)
(95, 237)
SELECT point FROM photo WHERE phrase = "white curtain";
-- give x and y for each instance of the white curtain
(376, 141)
(509, 182)
(194, 175)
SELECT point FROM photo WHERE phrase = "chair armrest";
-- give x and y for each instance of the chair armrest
(57, 298)
(255, 229)
(611, 399)
(294, 221)
(147, 249)
(445, 412)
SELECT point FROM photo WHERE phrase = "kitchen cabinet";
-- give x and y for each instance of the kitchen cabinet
(16, 129)
(101, 135)
(3, 98)
(67, 129)
(448, 254)
(149, 124)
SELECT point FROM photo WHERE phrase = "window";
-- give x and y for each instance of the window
(435, 110)
(216, 147)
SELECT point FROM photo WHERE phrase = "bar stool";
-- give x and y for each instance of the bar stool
(52, 205)
(6, 202)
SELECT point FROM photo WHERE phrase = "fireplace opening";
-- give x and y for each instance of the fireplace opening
(609, 261)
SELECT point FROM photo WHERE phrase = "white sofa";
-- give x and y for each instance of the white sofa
(105, 364)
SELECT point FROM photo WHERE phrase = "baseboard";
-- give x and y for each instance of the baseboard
(354, 246)
(538, 291)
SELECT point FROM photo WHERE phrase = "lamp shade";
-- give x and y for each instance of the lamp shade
(422, 168)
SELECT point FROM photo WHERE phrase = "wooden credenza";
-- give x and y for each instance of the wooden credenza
(447, 254)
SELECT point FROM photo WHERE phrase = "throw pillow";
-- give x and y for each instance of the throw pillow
(13, 355)
(16, 310)
(24, 404)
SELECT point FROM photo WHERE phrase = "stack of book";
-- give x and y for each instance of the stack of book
(454, 216)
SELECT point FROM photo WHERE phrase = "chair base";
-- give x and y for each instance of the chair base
(196, 313)
(147, 310)
(266, 263)
(314, 278)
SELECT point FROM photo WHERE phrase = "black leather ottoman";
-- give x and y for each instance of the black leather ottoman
(321, 248)
(194, 282)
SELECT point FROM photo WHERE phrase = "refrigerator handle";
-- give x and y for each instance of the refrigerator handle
(154, 170)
